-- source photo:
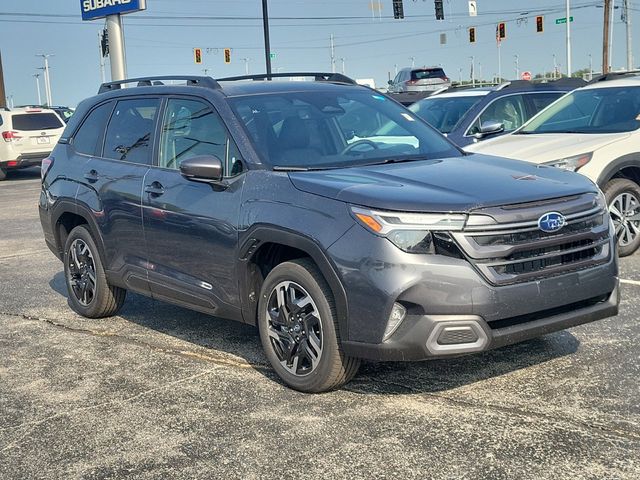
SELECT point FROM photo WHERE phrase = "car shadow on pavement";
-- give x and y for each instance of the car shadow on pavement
(241, 340)
(22, 174)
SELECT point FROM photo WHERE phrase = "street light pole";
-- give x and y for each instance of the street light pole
(267, 44)
(627, 18)
(413, 61)
(473, 71)
(568, 39)
(37, 77)
(47, 78)
(342, 59)
(116, 47)
(517, 62)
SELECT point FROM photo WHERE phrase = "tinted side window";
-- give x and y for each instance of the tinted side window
(540, 101)
(88, 138)
(130, 129)
(191, 128)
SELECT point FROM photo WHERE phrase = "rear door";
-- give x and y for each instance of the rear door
(191, 227)
(35, 131)
(111, 181)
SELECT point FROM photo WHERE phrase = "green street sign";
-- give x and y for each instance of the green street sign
(560, 21)
(272, 56)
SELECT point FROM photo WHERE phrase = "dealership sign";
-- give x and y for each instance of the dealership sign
(93, 9)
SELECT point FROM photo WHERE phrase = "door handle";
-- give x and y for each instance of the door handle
(91, 176)
(155, 189)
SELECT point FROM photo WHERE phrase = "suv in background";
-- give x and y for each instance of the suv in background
(28, 136)
(253, 201)
(595, 130)
(425, 79)
(468, 115)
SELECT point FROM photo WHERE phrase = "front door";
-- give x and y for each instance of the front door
(191, 227)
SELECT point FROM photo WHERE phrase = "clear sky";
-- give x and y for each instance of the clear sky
(159, 41)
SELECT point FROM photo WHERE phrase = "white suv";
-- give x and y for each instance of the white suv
(594, 130)
(28, 136)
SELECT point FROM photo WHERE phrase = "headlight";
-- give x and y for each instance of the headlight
(571, 163)
(410, 232)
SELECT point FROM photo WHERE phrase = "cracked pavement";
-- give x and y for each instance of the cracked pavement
(163, 392)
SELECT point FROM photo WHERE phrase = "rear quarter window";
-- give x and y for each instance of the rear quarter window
(88, 139)
(36, 121)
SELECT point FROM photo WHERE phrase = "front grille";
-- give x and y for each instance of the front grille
(507, 253)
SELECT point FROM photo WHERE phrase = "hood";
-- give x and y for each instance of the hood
(458, 184)
(545, 147)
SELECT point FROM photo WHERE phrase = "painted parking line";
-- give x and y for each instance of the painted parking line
(630, 282)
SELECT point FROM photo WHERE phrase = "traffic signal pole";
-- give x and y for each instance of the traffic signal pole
(116, 47)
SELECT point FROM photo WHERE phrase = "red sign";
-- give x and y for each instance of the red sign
(526, 76)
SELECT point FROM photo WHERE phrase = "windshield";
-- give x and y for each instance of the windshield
(446, 112)
(322, 129)
(602, 110)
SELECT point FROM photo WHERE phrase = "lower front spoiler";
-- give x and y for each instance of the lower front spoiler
(440, 336)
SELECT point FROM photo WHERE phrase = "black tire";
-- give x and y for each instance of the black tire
(627, 230)
(333, 368)
(3, 174)
(106, 300)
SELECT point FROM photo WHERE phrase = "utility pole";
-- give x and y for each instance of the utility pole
(590, 67)
(3, 101)
(37, 77)
(473, 71)
(627, 18)
(267, 44)
(333, 55)
(555, 67)
(47, 77)
(605, 37)
(568, 39)
(480, 72)
(517, 63)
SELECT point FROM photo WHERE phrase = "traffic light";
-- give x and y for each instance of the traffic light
(398, 9)
(439, 10)
(197, 55)
(227, 55)
(502, 30)
(540, 24)
(472, 35)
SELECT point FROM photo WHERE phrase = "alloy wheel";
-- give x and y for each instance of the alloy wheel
(294, 328)
(625, 213)
(81, 272)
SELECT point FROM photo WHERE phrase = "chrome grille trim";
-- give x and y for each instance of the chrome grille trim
(532, 224)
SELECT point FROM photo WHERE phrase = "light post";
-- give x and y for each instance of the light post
(342, 59)
(47, 78)
(37, 77)
(473, 71)
(413, 61)
(517, 62)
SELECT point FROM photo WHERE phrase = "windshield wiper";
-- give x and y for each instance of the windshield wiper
(393, 160)
(278, 168)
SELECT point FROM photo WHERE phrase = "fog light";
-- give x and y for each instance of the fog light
(398, 312)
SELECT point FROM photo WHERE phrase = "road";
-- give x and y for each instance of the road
(163, 392)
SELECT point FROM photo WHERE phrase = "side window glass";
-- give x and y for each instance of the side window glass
(88, 139)
(130, 130)
(540, 101)
(192, 128)
(509, 110)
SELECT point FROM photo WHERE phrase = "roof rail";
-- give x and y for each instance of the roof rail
(614, 75)
(317, 76)
(207, 82)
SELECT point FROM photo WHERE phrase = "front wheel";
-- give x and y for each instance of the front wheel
(623, 198)
(298, 329)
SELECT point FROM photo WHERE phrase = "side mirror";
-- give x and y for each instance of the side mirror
(490, 127)
(203, 168)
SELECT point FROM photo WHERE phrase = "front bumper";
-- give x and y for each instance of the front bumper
(444, 293)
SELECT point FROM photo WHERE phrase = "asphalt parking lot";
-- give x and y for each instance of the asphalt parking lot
(163, 392)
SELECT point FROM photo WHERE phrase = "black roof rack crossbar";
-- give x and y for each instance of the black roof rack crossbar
(317, 76)
(207, 82)
(614, 75)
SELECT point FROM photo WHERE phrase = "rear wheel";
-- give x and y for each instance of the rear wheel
(90, 294)
(298, 329)
(623, 198)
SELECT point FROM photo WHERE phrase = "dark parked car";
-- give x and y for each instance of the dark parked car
(254, 201)
(468, 115)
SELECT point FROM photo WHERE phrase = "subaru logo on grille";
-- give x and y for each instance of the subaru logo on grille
(551, 222)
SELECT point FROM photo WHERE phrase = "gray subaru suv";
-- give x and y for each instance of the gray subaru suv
(268, 203)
